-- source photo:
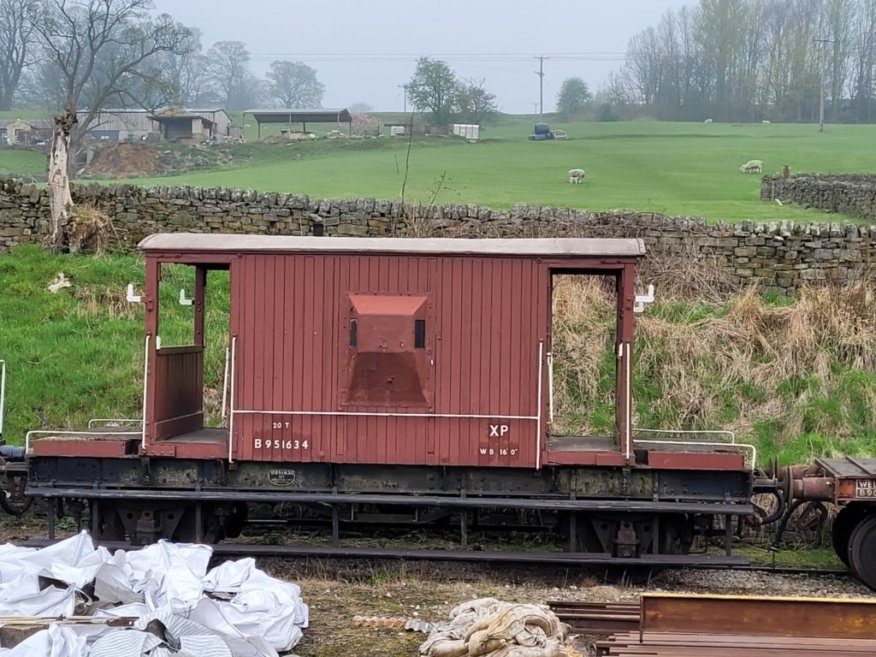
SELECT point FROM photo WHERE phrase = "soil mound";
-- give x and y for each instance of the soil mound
(124, 160)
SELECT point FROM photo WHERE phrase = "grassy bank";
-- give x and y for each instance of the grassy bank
(795, 376)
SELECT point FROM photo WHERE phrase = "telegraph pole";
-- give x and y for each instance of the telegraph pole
(821, 84)
(540, 74)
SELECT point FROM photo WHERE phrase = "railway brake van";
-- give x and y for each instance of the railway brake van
(404, 379)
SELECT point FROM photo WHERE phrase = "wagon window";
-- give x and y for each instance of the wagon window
(387, 363)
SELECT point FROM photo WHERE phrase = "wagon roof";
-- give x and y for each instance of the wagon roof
(557, 247)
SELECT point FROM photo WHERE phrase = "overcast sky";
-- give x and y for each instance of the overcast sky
(363, 50)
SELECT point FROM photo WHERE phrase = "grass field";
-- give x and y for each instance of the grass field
(20, 162)
(686, 169)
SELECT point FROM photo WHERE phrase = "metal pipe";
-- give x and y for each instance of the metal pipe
(629, 415)
(538, 414)
(718, 432)
(145, 389)
(126, 420)
(356, 414)
(225, 385)
(231, 401)
(550, 362)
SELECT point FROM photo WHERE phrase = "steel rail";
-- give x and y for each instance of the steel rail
(564, 559)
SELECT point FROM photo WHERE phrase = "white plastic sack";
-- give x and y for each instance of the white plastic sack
(165, 581)
(57, 641)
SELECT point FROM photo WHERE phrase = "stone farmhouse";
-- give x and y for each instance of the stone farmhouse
(28, 132)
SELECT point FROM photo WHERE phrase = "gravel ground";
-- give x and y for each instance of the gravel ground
(338, 590)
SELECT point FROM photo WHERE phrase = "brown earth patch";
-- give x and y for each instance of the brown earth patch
(124, 160)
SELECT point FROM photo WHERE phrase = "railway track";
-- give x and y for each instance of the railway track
(509, 558)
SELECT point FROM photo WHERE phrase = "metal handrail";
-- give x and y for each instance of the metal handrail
(718, 432)
(107, 421)
(721, 432)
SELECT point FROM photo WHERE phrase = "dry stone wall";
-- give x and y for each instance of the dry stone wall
(779, 256)
(852, 194)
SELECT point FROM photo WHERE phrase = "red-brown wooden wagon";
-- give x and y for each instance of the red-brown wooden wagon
(404, 374)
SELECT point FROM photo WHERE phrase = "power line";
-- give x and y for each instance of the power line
(404, 57)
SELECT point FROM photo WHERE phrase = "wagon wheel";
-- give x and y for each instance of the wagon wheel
(13, 500)
(843, 526)
(862, 551)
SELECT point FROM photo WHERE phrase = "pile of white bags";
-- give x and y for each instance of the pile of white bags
(234, 610)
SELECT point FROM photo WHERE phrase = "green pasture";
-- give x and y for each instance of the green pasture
(21, 162)
(680, 169)
(689, 169)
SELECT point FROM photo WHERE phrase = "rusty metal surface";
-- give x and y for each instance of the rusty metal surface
(849, 467)
(596, 618)
(695, 460)
(712, 645)
(759, 616)
(667, 625)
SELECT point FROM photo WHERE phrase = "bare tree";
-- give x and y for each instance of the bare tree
(294, 84)
(97, 50)
(475, 103)
(746, 59)
(864, 60)
(16, 45)
(229, 74)
(838, 26)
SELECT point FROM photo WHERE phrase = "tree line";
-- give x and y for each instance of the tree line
(751, 60)
(92, 54)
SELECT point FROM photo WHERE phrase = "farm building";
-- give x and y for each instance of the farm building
(183, 123)
(302, 116)
(25, 133)
(193, 124)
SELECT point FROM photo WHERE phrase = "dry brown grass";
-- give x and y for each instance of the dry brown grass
(89, 229)
(690, 367)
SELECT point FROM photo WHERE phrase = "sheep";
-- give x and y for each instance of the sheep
(766, 122)
(752, 166)
(707, 121)
(576, 176)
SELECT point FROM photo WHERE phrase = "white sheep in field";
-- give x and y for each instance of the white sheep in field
(576, 176)
(752, 166)
(707, 121)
